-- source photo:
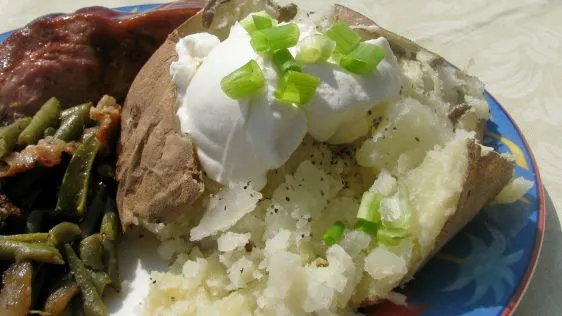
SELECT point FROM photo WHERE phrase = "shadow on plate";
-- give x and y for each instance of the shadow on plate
(546, 285)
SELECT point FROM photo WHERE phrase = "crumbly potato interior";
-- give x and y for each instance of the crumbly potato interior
(261, 253)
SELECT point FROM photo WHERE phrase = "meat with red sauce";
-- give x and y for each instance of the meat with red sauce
(81, 56)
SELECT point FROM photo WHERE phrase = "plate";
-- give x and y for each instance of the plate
(483, 271)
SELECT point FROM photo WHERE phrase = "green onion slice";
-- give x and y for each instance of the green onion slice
(262, 22)
(346, 39)
(333, 234)
(297, 87)
(368, 217)
(369, 207)
(269, 40)
(369, 228)
(284, 61)
(363, 59)
(391, 236)
(315, 48)
(243, 81)
(257, 21)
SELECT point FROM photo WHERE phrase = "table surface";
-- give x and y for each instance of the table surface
(513, 46)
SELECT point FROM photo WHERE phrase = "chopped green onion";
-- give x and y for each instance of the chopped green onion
(363, 59)
(346, 39)
(269, 40)
(297, 87)
(333, 234)
(262, 22)
(368, 217)
(369, 207)
(315, 48)
(257, 21)
(243, 81)
(369, 228)
(284, 61)
(391, 236)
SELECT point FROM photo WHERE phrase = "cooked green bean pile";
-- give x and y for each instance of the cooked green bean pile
(59, 255)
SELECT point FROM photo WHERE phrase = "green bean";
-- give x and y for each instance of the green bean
(91, 252)
(47, 116)
(22, 251)
(74, 188)
(77, 108)
(94, 213)
(49, 131)
(93, 304)
(59, 299)
(63, 233)
(99, 279)
(110, 221)
(30, 237)
(112, 263)
(109, 230)
(34, 221)
(9, 135)
(73, 123)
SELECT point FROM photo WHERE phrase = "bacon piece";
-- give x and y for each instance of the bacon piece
(47, 153)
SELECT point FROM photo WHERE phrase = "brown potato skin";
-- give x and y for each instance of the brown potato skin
(159, 177)
(157, 169)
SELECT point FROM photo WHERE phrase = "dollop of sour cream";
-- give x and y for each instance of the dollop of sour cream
(241, 140)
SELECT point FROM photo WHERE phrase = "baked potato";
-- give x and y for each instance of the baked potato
(427, 145)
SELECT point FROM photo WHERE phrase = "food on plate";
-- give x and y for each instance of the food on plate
(292, 168)
(59, 220)
(58, 151)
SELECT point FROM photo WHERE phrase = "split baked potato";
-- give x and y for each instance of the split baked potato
(427, 145)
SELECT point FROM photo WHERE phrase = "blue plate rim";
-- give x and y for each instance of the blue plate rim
(523, 286)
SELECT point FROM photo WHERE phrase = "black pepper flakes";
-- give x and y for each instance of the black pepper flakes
(417, 139)
(249, 246)
(287, 199)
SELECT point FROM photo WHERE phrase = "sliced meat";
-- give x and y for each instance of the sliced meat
(81, 56)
